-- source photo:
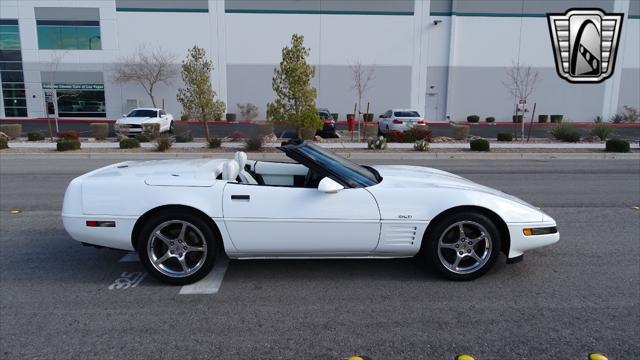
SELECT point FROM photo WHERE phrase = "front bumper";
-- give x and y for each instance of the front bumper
(521, 242)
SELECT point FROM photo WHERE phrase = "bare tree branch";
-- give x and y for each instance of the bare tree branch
(148, 68)
(362, 78)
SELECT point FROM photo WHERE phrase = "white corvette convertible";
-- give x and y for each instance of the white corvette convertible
(179, 214)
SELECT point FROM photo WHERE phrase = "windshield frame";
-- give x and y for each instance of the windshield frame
(329, 164)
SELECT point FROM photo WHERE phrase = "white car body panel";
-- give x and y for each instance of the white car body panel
(385, 220)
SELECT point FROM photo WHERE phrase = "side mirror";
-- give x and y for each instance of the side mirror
(381, 116)
(329, 186)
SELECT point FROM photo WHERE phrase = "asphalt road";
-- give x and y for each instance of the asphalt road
(562, 302)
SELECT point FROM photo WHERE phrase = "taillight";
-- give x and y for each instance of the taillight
(421, 123)
(396, 121)
(328, 122)
(94, 223)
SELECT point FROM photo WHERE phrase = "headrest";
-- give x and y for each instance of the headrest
(241, 158)
(230, 170)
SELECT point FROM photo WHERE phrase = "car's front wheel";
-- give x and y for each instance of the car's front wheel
(177, 248)
(171, 128)
(463, 246)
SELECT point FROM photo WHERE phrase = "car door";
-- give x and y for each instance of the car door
(294, 221)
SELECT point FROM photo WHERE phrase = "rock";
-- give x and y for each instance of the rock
(270, 138)
(441, 139)
(4, 136)
(122, 137)
(318, 139)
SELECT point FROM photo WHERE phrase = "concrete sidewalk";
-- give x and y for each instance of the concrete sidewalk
(330, 145)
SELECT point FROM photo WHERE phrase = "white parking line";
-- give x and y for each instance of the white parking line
(210, 284)
(130, 257)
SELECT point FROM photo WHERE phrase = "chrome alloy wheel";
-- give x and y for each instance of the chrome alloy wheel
(177, 248)
(464, 247)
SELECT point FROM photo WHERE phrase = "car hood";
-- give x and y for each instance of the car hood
(403, 176)
(135, 120)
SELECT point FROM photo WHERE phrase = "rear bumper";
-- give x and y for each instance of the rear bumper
(118, 237)
(521, 243)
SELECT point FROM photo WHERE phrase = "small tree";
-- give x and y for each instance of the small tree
(197, 97)
(148, 68)
(521, 81)
(295, 103)
(361, 80)
(248, 111)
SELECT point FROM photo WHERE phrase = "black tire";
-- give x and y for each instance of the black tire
(171, 130)
(198, 234)
(473, 224)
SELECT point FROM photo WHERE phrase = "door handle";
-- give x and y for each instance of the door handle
(240, 197)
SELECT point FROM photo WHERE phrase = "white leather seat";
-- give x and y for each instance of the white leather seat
(245, 176)
(230, 170)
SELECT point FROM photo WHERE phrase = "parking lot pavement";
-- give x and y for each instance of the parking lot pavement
(62, 300)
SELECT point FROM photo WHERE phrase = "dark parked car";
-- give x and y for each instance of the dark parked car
(329, 125)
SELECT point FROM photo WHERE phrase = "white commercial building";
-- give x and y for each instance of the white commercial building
(444, 57)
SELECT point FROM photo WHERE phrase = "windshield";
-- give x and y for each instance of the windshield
(354, 174)
(142, 113)
(406, 114)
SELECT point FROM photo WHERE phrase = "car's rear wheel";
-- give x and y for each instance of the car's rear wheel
(177, 248)
(463, 246)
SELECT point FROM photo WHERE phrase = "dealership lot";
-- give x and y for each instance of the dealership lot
(61, 300)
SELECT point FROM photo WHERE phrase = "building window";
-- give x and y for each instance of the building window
(73, 35)
(79, 100)
(9, 36)
(11, 75)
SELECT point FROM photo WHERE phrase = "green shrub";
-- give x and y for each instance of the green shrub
(185, 117)
(152, 129)
(307, 134)
(617, 145)
(68, 144)
(163, 143)
(69, 135)
(490, 119)
(35, 136)
(129, 143)
(13, 131)
(144, 137)
(601, 130)
(479, 145)
(543, 118)
(421, 145)
(556, 118)
(617, 119)
(4, 144)
(214, 142)
(418, 132)
(99, 131)
(184, 138)
(254, 143)
(379, 143)
(231, 117)
(473, 118)
(505, 137)
(181, 128)
(460, 132)
(517, 118)
(566, 133)
(395, 136)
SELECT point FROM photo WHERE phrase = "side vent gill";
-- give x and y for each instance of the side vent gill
(403, 235)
